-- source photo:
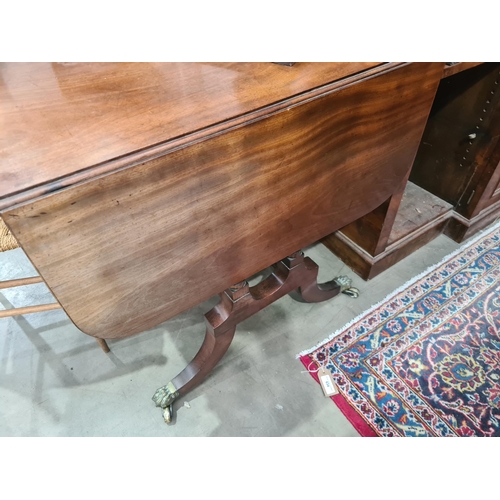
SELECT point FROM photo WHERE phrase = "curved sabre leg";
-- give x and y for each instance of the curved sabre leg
(221, 326)
(239, 302)
(211, 352)
(313, 291)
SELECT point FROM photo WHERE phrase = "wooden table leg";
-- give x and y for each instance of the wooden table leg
(103, 345)
(238, 303)
(312, 291)
(20, 311)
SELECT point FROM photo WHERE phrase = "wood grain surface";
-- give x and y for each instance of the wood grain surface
(126, 251)
(60, 118)
(458, 67)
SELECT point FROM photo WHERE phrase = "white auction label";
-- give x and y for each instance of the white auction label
(327, 384)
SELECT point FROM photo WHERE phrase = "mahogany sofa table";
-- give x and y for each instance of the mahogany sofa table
(139, 190)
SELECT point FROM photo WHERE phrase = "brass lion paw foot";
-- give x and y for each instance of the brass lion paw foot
(345, 286)
(164, 398)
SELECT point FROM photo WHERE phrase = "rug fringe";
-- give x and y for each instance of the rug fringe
(410, 282)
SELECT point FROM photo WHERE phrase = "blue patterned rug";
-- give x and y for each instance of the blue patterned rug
(426, 360)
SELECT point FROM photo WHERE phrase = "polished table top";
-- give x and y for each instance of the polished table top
(57, 119)
(140, 190)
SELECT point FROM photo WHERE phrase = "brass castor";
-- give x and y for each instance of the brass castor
(351, 292)
(168, 413)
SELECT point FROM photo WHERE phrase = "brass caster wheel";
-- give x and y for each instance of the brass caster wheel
(351, 292)
(168, 413)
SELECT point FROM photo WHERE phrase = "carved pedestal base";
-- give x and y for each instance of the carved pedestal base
(237, 304)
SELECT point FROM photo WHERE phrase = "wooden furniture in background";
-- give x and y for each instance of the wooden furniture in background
(141, 190)
(454, 180)
(403, 224)
(454, 68)
(459, 157)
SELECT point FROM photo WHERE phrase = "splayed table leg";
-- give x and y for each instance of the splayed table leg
(238, 303)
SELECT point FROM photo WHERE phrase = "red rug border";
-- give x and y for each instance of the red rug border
(349, 412)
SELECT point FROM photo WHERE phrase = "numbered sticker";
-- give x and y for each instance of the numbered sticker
(327, 383)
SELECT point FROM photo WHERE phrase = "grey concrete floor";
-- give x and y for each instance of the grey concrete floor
(56, 381)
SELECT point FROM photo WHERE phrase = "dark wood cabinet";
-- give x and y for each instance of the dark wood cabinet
(458, 158)
(454, 184)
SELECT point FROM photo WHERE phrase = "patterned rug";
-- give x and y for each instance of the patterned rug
(426, 360)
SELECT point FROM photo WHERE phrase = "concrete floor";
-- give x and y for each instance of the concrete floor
(56, 381)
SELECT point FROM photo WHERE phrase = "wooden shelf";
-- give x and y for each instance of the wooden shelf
(420, 218)
(418, 209)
